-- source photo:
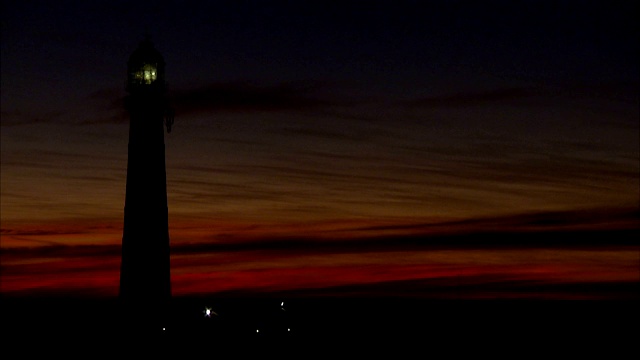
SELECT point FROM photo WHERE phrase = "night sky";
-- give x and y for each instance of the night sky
(312, 139)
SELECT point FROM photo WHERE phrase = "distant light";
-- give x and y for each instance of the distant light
(207, 312)
(288, 329)
(257, 330)
(282, 303)
(163, 329)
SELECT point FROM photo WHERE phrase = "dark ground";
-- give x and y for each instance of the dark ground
(488, 327)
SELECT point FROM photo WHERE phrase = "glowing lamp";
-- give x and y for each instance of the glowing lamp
(145, 68)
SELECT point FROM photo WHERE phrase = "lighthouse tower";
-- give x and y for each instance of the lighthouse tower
(145, 281)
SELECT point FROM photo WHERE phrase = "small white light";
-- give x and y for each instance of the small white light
(288, 329)
(257, 330)
(208, 312)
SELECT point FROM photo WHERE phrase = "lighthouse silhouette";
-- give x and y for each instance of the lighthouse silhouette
(145, 278)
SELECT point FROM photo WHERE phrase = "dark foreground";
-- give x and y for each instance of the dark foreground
(610, 327)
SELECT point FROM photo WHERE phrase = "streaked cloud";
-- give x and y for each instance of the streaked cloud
(585, 272)
(475, 98)
(248, 97)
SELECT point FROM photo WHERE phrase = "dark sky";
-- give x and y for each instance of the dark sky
(315, 112)
(330, 119)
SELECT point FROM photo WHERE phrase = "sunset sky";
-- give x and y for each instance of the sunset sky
(322, 121)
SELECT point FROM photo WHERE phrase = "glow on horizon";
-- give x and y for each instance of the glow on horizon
(510, 272)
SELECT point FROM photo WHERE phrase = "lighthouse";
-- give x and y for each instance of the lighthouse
(145, 279)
